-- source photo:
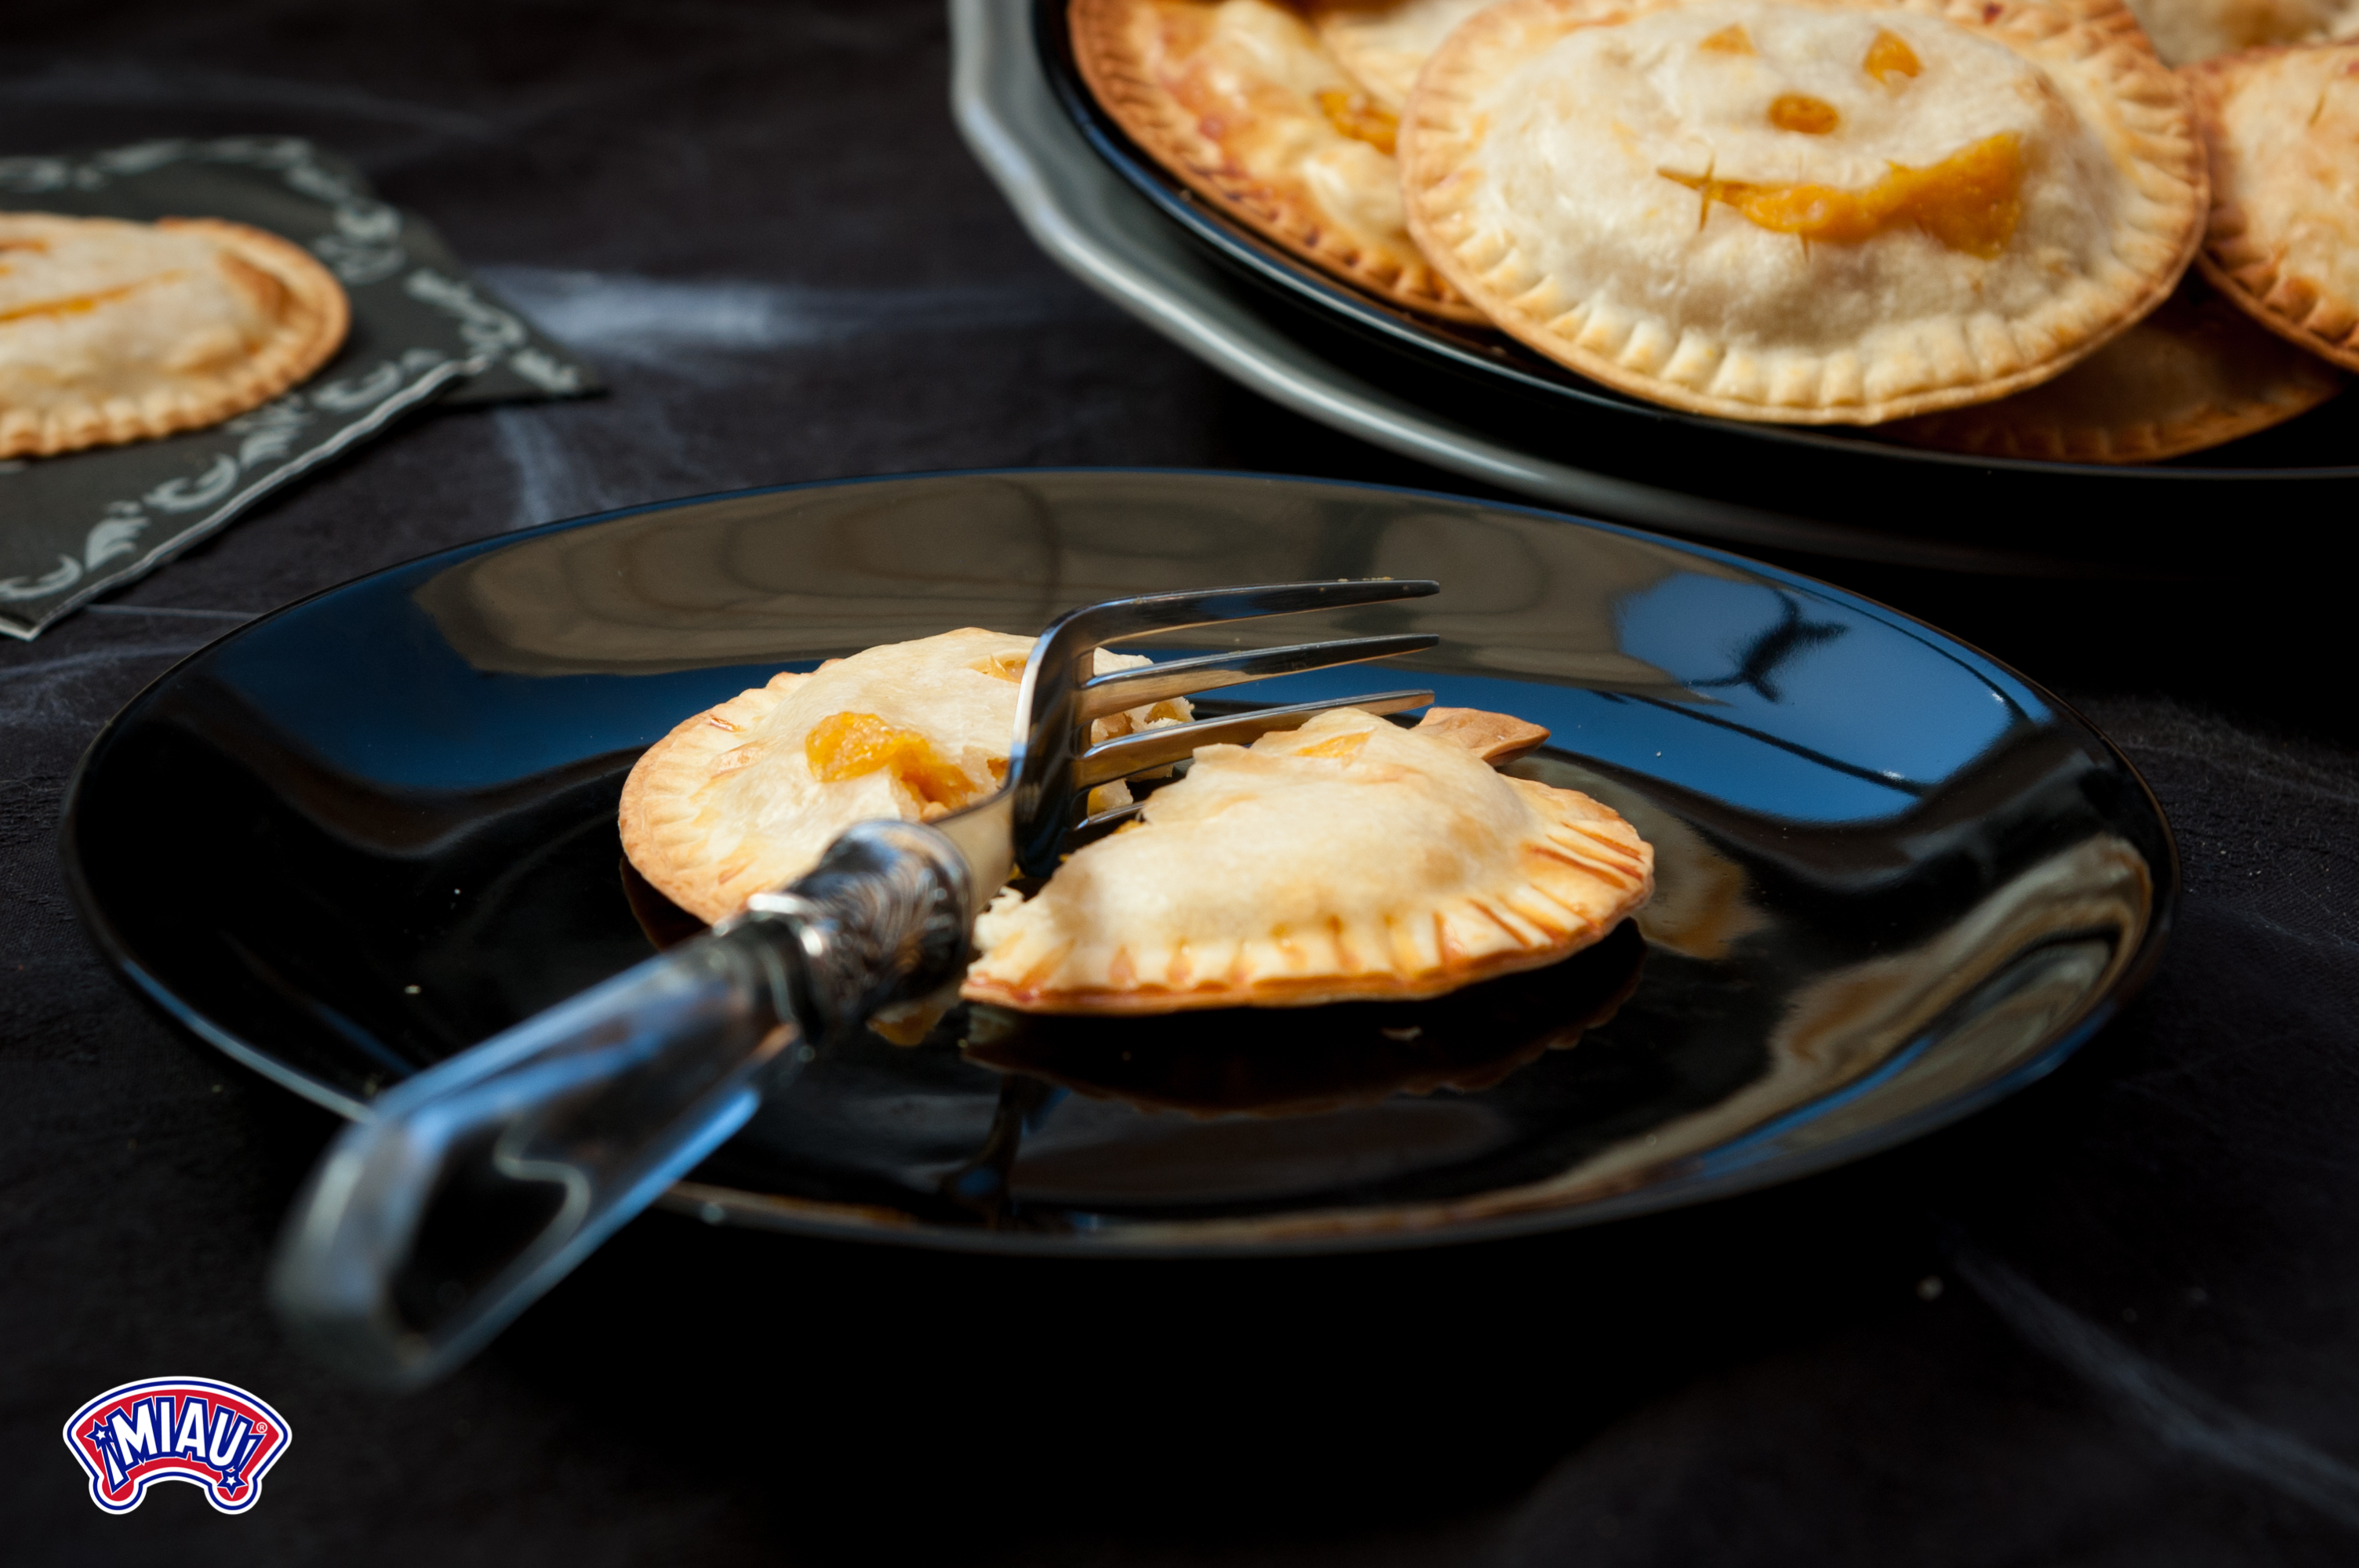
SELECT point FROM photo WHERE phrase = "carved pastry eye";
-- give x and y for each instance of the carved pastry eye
(1890, 56)
(1800, 112)
(1731, 39)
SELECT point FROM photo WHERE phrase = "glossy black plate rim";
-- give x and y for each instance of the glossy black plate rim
(1266, 263)
(802, 1218)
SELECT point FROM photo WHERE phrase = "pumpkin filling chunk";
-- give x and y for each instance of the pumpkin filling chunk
(851, 745)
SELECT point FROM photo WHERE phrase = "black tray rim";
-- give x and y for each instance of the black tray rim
(1240, 250)
(756, 1211)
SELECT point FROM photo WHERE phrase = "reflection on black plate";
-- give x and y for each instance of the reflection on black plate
(1895, 879)
(1285, 1061)
(1934, 508)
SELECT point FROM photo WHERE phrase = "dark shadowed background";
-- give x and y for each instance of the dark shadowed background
(2112, 1323)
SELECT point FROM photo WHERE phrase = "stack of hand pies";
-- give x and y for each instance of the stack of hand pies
(2001, 227)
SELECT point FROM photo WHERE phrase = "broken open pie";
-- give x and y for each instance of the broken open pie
(748, 794)
(115, 331)
(1239, 100)
(1350, 858)
(2282, 126)
(1845, 210)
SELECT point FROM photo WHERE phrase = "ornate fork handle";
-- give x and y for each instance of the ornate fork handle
(480, 1183)
(882, 918)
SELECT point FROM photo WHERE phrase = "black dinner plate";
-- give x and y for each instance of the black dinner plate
(1896, 880)
(2162, 519)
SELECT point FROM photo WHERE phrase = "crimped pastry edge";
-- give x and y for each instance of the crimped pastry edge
(660, 794)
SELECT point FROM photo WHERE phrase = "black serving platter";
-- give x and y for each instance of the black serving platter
(2004, 514)
(1895, 879)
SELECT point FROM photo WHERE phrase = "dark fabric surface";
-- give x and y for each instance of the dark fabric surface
(2109, 1323)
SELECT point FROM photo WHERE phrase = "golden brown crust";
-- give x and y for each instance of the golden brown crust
(2194, 375)
(1130, 52)
(1730, 369)
(1497, 738)
(2280, 125)
(281, 280)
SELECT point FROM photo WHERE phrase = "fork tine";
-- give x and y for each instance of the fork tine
(1167, 743)
(1120, 618)
(1184, 677)
(1089, 829)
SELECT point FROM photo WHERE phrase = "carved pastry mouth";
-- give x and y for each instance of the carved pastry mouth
(1970, 202)
(82, 304)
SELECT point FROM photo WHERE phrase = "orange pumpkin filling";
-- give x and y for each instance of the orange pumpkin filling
(1970, 202)
(1357, 118)
(850, 745)
(1342, 748)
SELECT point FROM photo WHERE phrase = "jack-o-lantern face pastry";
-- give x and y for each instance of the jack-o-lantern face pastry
(1842, 211)
(748, 794)
(1350, 858)
(1385, 43)
(1239, 100)
(2194, 375)
(2282, 126)
(2185, 32)
(115, 331)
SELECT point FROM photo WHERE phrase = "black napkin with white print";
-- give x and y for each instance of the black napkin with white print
(75, 525)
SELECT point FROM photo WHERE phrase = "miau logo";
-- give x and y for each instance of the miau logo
(215, 1436)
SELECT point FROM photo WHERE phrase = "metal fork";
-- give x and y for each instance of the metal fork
(475, 1185)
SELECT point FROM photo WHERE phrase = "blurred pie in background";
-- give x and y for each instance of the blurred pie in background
(1239, 99)
(2194, 375)
(115, 332)
(2282, 128)
(1385, 43)
(2185, 32)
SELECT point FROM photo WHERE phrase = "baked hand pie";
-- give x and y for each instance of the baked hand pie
(2194, 375)
(115, 331)
(2185, 32)
(1385, 43)
(1348, 860)
(2282, 127)
(749, 793)
(1835, 211)
(1239, 100)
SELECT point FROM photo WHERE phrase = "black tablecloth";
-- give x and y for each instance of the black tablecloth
(2111, 1322)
